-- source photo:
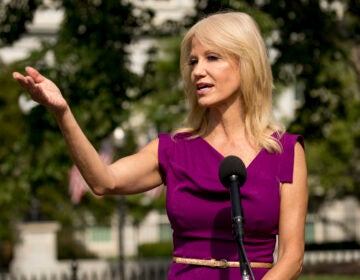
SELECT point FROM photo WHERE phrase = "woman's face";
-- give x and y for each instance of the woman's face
(216, 78)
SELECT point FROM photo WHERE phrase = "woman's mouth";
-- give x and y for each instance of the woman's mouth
(202, 88)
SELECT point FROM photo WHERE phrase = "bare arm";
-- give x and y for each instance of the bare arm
(133, 174)
(293, 207)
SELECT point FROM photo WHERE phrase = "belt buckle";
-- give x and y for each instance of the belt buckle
(224, 263)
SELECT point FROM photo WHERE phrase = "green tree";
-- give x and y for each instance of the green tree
(164, 103)
(13, 18)
(13, 188)
(91, 66)
(317, 46)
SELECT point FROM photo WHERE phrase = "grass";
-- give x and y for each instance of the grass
(332, 271)
(328, 277)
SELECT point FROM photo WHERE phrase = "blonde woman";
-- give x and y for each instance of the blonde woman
(228, 84)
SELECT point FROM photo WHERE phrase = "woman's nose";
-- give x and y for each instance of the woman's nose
(199, 69)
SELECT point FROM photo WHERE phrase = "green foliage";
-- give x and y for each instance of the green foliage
(70, 248)
(151, 250)
(93, 63)
(90, 65)
(328, 277)
(13, 18)
(331, 246)
(164, 103)
(91, 69)
(13, 185)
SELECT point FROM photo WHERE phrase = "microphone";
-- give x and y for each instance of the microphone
(232, 175)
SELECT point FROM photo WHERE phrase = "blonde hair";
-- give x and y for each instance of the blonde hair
(235, 34)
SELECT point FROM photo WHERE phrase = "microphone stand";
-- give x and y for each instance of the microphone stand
(245, 267)
(238, 230)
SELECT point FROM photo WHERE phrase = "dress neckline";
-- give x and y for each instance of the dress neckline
(221, 156)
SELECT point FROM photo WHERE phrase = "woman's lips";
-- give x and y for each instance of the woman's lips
(202, 88)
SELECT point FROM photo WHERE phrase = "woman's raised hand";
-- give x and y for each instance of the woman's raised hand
(42, 90)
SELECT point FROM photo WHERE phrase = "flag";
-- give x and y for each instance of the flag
(77, 184)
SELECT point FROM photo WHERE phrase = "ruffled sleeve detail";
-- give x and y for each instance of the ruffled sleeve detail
(286, 167)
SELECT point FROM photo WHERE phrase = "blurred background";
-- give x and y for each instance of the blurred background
(117, 64)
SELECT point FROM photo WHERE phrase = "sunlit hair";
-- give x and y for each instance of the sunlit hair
(234, 34)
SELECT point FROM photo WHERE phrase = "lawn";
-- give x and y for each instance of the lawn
(329, 277)
(333, 271)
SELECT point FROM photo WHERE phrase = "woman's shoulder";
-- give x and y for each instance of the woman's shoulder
(287, 142)
(290, 139)
(286, 158)
(173, 137)
(174, 147)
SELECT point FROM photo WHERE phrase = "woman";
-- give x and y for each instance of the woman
(228, 83)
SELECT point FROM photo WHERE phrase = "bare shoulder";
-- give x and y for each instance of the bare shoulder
(295, 194)
(152, 144)
(299, 159)
(298, 187)
(151, 148)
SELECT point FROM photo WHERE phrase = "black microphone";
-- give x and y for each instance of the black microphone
(232, 174)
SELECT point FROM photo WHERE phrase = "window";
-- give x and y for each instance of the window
(165, 232)
(310, 232)
(100, 234)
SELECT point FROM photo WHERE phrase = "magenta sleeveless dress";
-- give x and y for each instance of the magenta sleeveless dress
(199, 206)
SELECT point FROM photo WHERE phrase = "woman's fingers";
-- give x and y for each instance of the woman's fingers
(29, 84)
(17, 75)
(21, 79)
(30, 81)
(32, 78)
(41, 89)
(33, 73)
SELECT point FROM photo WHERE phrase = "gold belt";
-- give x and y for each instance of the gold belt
(219, 263)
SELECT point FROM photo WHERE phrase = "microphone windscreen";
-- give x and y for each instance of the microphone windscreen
(232, 165)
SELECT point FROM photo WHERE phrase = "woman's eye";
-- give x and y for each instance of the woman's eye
(212, 57)
(192, 62)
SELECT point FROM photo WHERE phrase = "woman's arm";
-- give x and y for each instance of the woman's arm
(132, 174)
(293, 208)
